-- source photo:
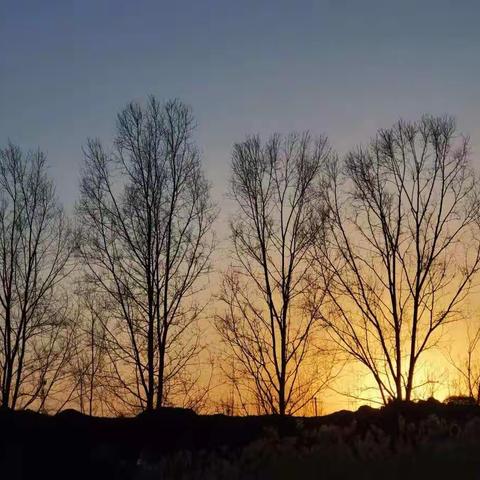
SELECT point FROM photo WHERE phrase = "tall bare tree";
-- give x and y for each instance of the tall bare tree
(35, 247)
(146, 218)
(267, 324)
(403, 247)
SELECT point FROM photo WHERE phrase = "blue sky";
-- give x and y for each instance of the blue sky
(339, 67)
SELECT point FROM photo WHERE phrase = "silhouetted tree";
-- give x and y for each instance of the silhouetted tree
(267, 325)
(146, 218)
(35, 247)
(87, 388)
(467, 366)
(403, 246)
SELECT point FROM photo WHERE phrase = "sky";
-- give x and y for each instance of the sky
(343, 68)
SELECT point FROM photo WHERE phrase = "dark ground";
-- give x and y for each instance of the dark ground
(417, 440)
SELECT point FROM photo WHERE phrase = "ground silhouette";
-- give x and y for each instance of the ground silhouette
(73, 445)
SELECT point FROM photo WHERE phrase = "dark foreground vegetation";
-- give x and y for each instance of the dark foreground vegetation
(402, 440)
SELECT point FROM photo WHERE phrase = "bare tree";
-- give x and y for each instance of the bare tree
(467, 366)
(267, 325)
(146, 218)
(403, 247)
(86, 386)
(35, 246)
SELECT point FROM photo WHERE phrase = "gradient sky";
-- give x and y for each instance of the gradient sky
(339, 67)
